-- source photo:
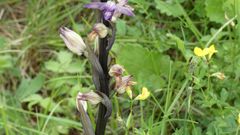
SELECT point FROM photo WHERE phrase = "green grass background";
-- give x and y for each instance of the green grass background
(39, 77)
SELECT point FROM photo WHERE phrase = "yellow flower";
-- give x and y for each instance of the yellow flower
(144, 95)
(129, 92)
(206, 51)
(199, 52)
(211, 51)
(238, 119)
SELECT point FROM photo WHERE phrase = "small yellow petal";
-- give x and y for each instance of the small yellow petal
(238, 119)
(144, 95)
(129, 92)
(199, 52)
(211, 51)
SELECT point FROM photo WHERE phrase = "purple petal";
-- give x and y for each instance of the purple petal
(122, 2)
(110, 6)
(124, 10)
(108, 15)
(95, 5)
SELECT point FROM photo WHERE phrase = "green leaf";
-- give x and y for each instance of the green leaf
(129, 120)
(121, 27)
(2, 42)
(65, 63)
(216, 10)
(170, 9)
(75, 67)
(179, 42)
(224, 95)
(49, 104)
(33, 100)
(65, 57)
(29, 87)
(5, 62)
(147, 67)
(53, 66)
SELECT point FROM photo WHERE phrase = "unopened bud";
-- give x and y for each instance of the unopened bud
(227, 18)
(116, 70)
(129, 92)
(73, 41)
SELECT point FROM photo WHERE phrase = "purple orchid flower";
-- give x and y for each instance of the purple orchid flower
(111, 9)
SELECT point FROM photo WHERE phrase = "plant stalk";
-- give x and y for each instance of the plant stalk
(104, 86)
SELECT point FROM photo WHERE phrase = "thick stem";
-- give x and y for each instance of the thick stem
(104, 87)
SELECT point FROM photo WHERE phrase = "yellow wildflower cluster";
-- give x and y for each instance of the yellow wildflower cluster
(206, 51)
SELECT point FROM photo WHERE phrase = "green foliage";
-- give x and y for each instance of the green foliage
(217, 10)
(29, 87)
(155, 65)
(64, 63)
(169, 8)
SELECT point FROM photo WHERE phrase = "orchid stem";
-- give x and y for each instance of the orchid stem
(104, 87)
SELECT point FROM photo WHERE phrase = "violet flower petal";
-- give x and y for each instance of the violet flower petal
(95, 5)
(107, 15)
(110, 6)
(124, 10)
(122, 2)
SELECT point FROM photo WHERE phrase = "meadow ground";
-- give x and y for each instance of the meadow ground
(190, 94)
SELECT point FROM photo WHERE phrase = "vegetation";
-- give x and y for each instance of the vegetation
(191, 94)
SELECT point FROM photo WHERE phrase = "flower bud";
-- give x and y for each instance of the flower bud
(129, 92)
(116, 70)
(219, 75)
(73, 41)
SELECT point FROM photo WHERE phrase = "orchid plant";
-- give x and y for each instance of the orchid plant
(110, 12)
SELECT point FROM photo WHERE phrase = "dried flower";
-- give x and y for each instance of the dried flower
(219, 75)
(73, 41)
(110, 8)
(144, 95)
(123, 83)
(91, 96)
(116, 70)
